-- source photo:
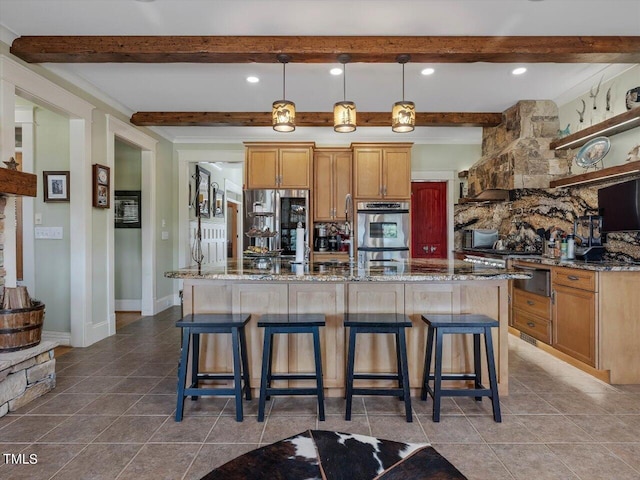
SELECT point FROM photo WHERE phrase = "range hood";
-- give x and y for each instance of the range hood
(491, 195)
(516, 153)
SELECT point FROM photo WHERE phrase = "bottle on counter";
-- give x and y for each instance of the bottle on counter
(564, 248)
(571, 247)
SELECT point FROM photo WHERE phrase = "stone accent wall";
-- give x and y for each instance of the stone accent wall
(516, 153)
(26, 375)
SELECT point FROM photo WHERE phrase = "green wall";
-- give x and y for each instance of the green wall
(52, 272)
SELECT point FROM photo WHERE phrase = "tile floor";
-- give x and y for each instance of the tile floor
(110, 417)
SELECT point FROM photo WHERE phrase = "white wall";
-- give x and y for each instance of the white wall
(621, 143)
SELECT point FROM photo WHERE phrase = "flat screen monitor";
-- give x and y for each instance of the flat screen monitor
(619, 206)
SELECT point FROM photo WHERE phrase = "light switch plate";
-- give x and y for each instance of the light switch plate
(165, 235)
(38, 219)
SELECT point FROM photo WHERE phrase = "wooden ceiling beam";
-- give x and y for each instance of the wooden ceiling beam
(318, 49)
(309, 119)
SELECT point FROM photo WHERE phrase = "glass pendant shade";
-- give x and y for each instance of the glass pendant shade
(344, 117)
(283, 116)
(283, 112)
(403, 117)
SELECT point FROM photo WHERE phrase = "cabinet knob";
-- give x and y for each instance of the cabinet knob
(531, 324)
(426, 248)
(573, 277)
(433, 248)
(530, 302)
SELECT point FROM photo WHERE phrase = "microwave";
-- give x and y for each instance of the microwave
(479, 238)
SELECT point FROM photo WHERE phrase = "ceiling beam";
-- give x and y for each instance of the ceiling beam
(318, 49)
(309, 119)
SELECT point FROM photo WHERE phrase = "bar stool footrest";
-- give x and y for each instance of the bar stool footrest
(293, 376)
(292, 391)
(391, 392)
(375, 376)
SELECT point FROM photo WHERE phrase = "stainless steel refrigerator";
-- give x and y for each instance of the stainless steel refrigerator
(288, 208)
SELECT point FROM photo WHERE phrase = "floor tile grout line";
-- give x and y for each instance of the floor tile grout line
(621, 459)
(203, 443)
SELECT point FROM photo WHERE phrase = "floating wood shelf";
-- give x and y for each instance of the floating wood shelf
(15, 183)
(603, 174)
(618, 124)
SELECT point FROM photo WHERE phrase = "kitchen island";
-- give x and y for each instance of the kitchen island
(413, 288)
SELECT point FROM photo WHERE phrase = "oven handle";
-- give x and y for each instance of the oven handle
(377, 212)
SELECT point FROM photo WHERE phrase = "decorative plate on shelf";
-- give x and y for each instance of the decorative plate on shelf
(593, 152)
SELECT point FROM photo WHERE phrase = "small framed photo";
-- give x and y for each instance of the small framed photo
(127, 209)
(101, 183)
(56, 186)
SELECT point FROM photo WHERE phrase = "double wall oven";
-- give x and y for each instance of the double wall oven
(383, 231)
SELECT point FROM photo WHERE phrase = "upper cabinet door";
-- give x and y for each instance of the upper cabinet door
(367, 173)
(295, 168)
(396, 174)
(341, 182)
(323, 186)
(261, 168)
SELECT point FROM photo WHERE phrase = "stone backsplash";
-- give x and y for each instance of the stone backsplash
(532, 209)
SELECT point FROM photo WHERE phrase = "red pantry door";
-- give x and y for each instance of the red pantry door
(429, 219)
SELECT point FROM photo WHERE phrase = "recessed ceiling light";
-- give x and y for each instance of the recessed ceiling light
(518, 71)
(253, 79)
(335, 71)
(427, 71)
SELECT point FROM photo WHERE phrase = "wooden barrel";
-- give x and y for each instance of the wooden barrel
(21, 328)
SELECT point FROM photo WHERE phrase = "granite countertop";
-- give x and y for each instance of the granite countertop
(414, 270)
(597, 266)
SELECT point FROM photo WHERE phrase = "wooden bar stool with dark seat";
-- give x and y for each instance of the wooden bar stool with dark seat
(193, 326)
(440, 325)
(290, 323)
(379, 323)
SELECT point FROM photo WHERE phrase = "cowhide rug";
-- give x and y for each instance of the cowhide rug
(317, 454)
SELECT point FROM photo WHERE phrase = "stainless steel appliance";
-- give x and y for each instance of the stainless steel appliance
(479, 238)
(588, 231)
(321, 239)
(383, 231)
(539, 283)
(288, 207)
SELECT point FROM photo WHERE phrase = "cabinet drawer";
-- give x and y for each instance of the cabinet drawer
(537, 327)
(575, 278)
(532, 303)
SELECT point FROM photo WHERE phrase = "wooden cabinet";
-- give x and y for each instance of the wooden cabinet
(574, 313)
(278, 165)
(331, 183)
(382, 171)
(532, 314)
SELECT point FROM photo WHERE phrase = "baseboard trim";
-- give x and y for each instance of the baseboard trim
(165, 302)
(128, 305)
(62, 338)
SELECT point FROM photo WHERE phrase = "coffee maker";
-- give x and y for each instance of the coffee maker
(321, 240)
(588, 230)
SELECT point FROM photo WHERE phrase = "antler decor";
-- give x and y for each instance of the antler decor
(581, 113)
(595, 95)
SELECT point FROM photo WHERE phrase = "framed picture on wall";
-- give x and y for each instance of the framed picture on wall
(101, 184)
(203, 181)
(56, 186)
(127, 209)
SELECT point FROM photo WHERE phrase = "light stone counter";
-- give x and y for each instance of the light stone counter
(603, 266)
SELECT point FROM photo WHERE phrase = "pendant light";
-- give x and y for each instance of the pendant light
(403, 114)
(283, 112)
(344, 112)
